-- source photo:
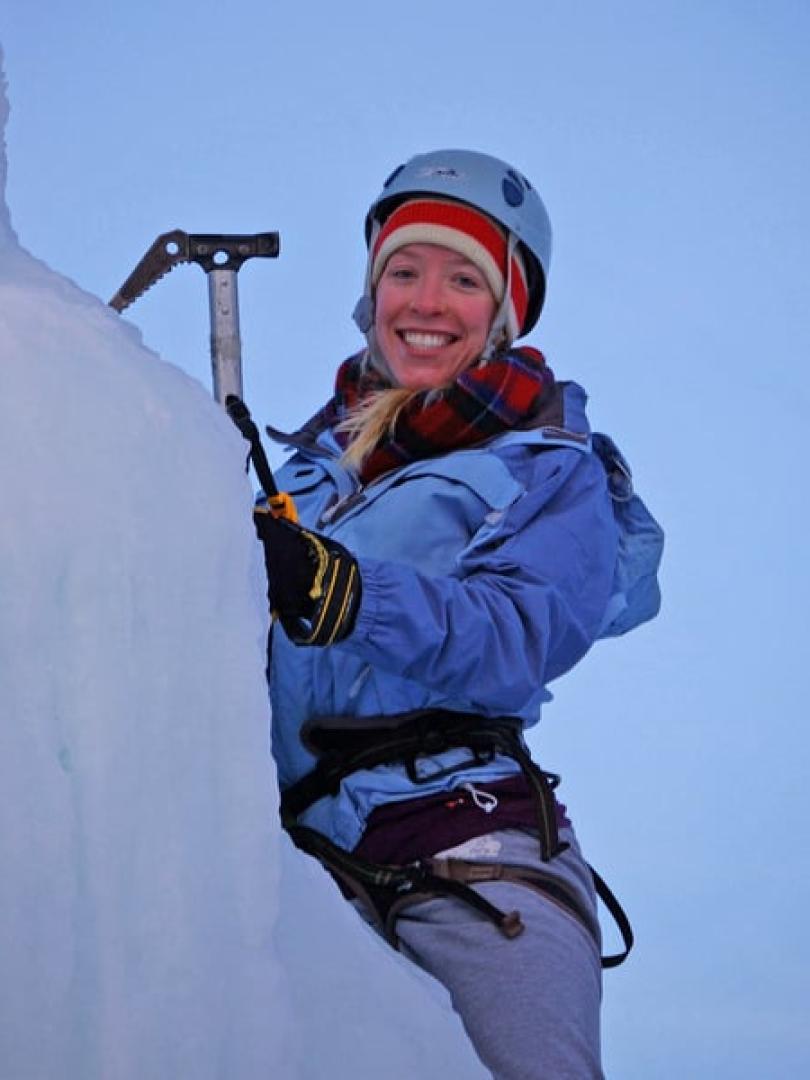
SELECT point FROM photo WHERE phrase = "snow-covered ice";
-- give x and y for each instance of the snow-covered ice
(138, 890)
(153, 921)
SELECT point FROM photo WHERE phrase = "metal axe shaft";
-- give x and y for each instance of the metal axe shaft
(226, 343)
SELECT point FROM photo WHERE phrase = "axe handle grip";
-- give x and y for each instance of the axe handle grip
(280, 502)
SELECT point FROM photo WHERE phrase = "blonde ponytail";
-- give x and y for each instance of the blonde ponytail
(369, 421)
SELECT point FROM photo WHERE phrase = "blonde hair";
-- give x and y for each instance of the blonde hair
(371, 419)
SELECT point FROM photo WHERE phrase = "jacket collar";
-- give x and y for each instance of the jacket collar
(561, 418)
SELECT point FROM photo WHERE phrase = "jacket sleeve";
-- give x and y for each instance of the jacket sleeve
(522, 609)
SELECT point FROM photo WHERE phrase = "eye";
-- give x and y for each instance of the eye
(467, 281)
(400, 273)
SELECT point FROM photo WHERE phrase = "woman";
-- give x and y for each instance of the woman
(456, 551)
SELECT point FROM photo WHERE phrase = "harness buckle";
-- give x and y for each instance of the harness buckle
(467, 873)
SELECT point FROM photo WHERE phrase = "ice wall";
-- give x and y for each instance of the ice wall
(138, 858)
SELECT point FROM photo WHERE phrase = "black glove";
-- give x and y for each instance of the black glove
(313, 582)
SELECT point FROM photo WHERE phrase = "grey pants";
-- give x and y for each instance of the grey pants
(530, 1004)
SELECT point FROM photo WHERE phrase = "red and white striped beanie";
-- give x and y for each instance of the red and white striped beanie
(474, 235)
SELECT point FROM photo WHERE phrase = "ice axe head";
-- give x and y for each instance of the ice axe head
(225, 251)
(221, 255)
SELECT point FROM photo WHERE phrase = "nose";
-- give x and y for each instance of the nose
(428, 296)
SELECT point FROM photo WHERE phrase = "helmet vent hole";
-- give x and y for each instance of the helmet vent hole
(512, 191)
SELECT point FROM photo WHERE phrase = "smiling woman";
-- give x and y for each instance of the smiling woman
(457, 551)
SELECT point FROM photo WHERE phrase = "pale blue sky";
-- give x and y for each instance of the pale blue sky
(670, 142)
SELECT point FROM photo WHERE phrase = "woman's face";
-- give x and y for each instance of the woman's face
(433, 311)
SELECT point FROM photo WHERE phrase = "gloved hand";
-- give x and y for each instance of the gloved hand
(313, 582)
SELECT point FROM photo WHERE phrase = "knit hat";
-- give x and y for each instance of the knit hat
(461, 228)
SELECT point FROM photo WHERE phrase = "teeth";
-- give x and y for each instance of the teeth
(425, 341)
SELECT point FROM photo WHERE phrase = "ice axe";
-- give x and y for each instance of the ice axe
(221, 255)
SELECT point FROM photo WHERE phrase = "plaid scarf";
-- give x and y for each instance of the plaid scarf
(503, 394)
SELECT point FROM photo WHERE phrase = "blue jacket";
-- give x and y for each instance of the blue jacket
(486, 573)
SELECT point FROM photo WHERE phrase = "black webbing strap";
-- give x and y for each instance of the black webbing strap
(470, 871)
(618, 915)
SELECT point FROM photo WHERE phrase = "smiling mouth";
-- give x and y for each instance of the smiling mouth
(415, 339)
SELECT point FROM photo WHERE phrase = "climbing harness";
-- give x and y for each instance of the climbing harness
(345, 745)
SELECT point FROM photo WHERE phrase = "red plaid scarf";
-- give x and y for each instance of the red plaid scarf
(503, 394)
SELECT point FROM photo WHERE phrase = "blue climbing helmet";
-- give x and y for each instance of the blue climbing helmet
(485, 183)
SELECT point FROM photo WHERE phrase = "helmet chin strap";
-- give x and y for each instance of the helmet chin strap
(363, 316)
(498, 336)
